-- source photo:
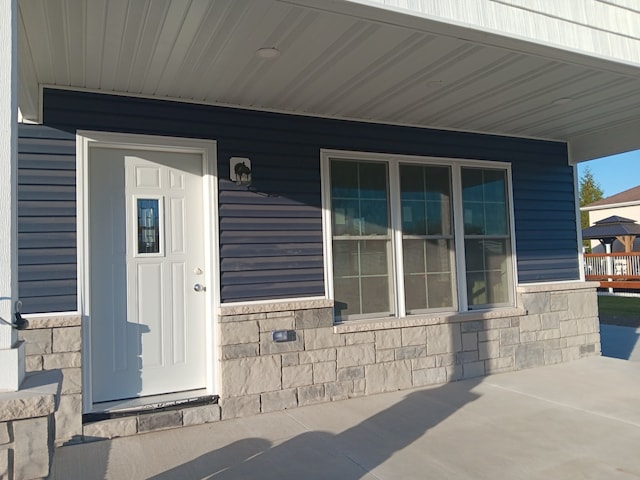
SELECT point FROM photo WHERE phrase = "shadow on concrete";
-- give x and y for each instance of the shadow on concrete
(620, 342)
(348, 455)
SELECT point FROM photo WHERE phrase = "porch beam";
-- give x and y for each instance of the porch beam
(11, 352)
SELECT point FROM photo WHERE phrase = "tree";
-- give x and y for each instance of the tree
(590, 192)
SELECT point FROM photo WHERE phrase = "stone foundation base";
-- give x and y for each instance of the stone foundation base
(323, 362)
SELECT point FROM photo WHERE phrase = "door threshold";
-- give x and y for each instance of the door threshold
(153, 403)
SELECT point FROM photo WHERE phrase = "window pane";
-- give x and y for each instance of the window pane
(148, 225)
(487, 271)
(427, 274)
(360, 208)
(426, 200)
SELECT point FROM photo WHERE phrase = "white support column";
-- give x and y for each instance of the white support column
(11, 352)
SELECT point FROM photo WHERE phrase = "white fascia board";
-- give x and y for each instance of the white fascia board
(610, 205)
(603, 143)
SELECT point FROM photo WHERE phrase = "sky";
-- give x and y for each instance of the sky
(616, 173)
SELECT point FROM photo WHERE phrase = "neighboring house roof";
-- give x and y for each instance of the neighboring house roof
(628, 197)
(611, 227)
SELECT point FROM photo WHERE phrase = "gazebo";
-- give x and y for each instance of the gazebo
(613, 228)
(620, 270)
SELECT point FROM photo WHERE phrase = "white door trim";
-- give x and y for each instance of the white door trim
(85, 140)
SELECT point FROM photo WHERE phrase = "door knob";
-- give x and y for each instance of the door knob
(199, 288)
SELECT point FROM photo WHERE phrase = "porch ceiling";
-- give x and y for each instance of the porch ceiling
(338, 59)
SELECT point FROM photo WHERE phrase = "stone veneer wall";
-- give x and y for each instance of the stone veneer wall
(324, 362)
(54, 342)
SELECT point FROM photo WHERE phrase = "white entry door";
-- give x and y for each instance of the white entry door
(147, 271)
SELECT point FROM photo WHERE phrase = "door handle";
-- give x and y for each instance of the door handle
(199, 287)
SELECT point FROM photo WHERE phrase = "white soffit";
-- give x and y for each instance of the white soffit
(336, 58)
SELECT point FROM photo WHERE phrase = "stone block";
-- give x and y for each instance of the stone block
(446, 359)
(536, 302)
(527, 337)
(354, 355)
(388, 339)
(359, 337)
(548, 334)
(311, 394)
(587, 325)
(324, 372)
(71, 381)
(200, 415)
(552, 357)
(454, 373)
(270, 324)
(359, 387)
(515, 322)
(414, 336)
(530, 323)
(296, 376)
(67, 339)
(488, 350)
(387, 355)
(245, 376)
(583, 304)
(239, 332)
(570, 354)
(387, 377)
(5, 433)
(507, 350)
(283, 313)
(117, 427)
(470, 341)
(423, 362)
(473, 370)
(510, 336)
(290, 359)
(242, 317)
(269, 347)
(472, 326)
(587, 350)
(497, 323)
(549, 320)
(429, 376)
(498, 365)
(350, 373)
(338, 390)
(486, 335)
(529, 355)
(31, 449)
(239, 406)
(405, 353)
(314, 318)
(276, 401)
(55, 361)
(229, 352)
(314, 356)
(446, 338)
(317, 338)
(33, 363)
(159, 421)
(466, 357)
(559, 302)
(68, 416)
(568, 328)
(37, 342)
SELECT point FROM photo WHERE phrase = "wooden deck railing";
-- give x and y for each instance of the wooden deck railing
(613, 270)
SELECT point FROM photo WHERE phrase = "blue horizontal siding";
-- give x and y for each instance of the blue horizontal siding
(47, 273)
(272, 232)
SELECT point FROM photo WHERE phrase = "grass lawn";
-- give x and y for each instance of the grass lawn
(612, 309)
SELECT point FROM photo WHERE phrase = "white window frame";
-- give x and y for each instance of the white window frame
(396, 281)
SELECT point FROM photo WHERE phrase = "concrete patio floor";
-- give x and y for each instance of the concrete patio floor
(579, 420)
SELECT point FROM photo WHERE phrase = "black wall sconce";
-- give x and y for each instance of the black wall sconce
(240, 170)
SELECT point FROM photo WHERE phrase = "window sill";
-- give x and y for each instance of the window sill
(422, 320)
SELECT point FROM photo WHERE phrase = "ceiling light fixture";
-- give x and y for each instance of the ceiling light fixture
(268, 53)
